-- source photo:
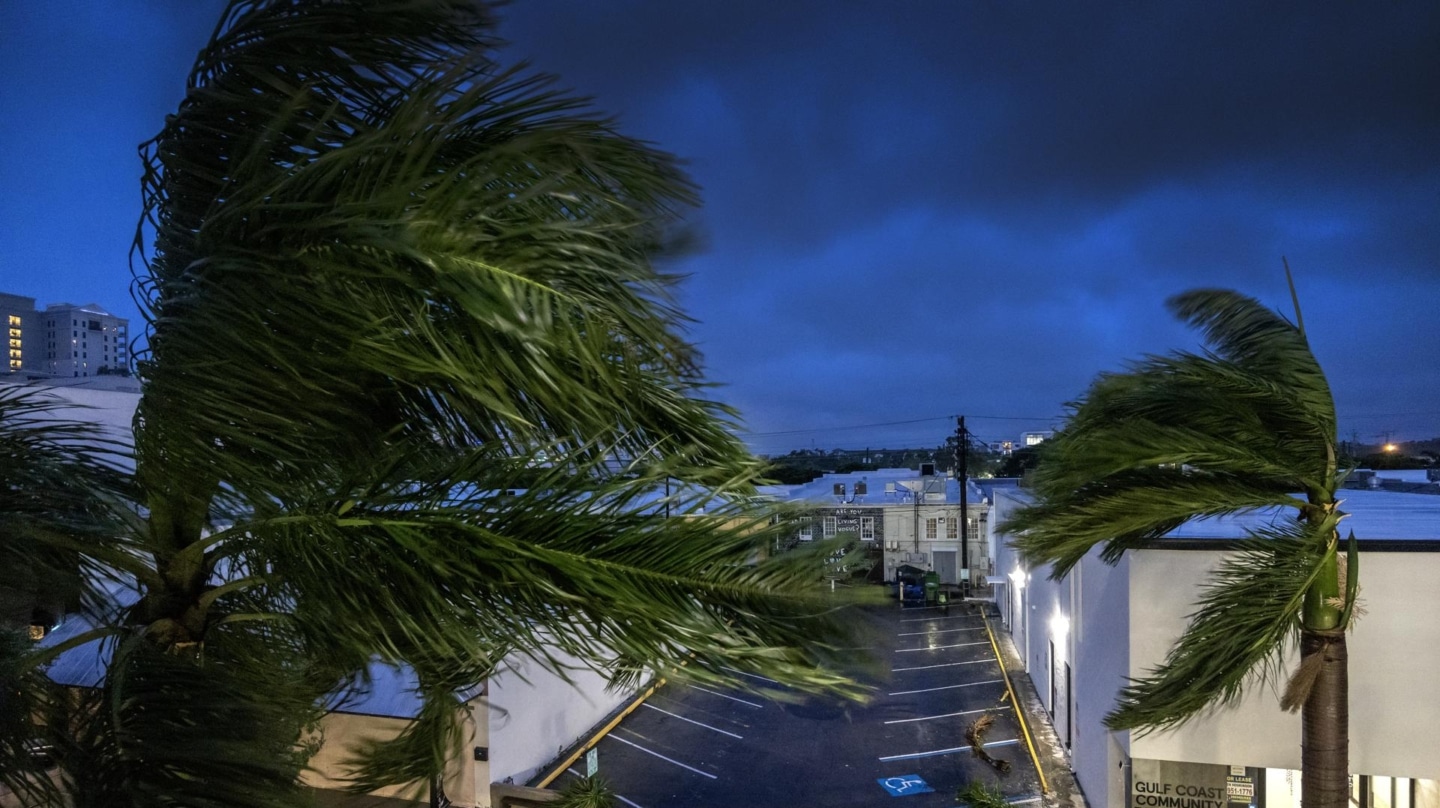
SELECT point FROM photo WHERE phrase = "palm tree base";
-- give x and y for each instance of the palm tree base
(1325, 759)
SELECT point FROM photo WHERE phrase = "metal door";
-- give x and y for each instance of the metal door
(945, 566)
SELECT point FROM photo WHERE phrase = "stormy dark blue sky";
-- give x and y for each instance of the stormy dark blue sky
(912, 210)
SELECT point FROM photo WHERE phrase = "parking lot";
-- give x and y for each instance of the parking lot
(695, 747)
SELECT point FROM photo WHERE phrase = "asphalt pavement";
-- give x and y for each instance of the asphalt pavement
(688, 746)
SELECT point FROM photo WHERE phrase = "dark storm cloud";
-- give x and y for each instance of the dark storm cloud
(1001, 108)
(906, 199)
(911, 209)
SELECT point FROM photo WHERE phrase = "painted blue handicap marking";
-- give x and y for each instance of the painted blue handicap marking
(904, 785)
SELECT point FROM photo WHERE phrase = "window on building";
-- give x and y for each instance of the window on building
(867, 528)
(829, 527)
(932, 528)
(973, 533)
(806, 530)
(952, 528)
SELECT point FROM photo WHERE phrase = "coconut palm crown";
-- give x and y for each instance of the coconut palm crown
(413, 379)
(1246, 426)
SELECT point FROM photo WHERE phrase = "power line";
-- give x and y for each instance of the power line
(946, 418)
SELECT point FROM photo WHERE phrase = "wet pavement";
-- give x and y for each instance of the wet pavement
(689, 746)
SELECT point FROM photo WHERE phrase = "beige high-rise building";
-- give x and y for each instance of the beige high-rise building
(22, 333)
(81, 341)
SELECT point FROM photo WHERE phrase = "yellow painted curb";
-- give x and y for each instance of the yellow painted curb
(594, 739)
(1015, 704)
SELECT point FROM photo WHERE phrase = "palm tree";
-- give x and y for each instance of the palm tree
(1247, 426)
(387, 283)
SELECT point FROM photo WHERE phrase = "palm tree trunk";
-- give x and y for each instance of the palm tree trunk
(1325, 754)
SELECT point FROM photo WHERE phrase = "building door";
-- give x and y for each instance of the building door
(1050, 658)
(1060, 696)
(1067, 712)
(945, 566)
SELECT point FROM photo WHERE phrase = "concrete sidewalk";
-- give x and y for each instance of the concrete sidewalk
(1064, 791)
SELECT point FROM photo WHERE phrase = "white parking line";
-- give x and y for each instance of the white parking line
(723, 696)
(938, 647)
(752, 675)
(692, 721)
(947, 687)
(947, 715)
(941, 631)
(658, 755)
(941, 665)
(950, 751)
(928, 619)
(630, 803)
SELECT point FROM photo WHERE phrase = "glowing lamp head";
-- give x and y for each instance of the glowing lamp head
(1059, 625)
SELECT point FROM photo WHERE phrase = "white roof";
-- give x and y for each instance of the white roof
(883, 487)
(1373, 515)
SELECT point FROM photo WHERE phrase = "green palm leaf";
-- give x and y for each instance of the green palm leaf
(1247, 427)
(386, 284)
(1246, 622)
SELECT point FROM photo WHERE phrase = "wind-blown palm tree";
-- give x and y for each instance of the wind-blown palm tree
(386, 283)
(1247, 426)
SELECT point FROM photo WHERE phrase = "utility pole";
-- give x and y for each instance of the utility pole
(962, 457)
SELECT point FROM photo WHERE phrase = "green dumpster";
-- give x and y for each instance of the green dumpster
(932, 587)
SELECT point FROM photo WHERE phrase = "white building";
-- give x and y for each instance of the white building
(1036, 438)
(1082, 637)
(83, 341)
(905, 516)
(63, 341)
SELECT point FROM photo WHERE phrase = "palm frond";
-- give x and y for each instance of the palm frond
(161, 717)
(64, 496)
(413, 757)
(1250, 426)
(1253, 336)
(386, 283)
(24, 695)
(1128, 510)
(1247, 618)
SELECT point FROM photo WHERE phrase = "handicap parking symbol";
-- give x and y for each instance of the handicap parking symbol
(904, 785)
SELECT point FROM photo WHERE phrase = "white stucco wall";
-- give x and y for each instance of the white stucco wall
(1394, 651)
(1100, 628)
(534, 714)
(1124, 619)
